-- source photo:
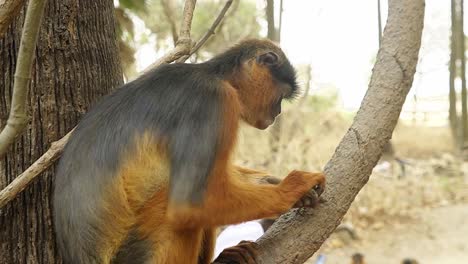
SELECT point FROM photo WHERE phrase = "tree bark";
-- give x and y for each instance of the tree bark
(9, 9)
(298, 234)
(77, 62)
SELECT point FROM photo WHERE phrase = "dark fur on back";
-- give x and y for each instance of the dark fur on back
(175, 102)
(178, 103)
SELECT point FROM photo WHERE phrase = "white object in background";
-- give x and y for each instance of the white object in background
(234, 234)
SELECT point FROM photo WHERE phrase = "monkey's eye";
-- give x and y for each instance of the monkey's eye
(269, 58)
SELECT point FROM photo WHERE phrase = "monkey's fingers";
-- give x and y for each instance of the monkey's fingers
(311, 199)
(243, 253)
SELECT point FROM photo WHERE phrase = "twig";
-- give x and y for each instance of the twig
(16, 186)
(168, 11)
(209, 33)
(18, 118)
(9, 9)
(40, 165)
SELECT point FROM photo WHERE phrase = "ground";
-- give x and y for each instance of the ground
(439, 235)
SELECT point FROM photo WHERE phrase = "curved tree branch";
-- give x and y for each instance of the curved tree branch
(295, 237)
(18, 117)
(41, 164)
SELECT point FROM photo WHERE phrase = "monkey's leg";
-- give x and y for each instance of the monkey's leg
(230, 200)
(168, 245)
(175, 246)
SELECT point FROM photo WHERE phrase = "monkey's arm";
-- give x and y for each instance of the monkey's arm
(233, 201)
(259, 177)
(256, 176)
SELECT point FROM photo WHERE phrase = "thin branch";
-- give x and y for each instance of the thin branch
(184, 42)
(48, 158)
(18, 118)
(210, 32)
(9, 9)
(40, 165)
(169, 13)
(187, 19)
(297, 235)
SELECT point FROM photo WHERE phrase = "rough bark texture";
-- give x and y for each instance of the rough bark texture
(296, 236)
(9, 9)
(76, 63)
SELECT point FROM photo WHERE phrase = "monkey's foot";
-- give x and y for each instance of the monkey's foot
(243, 253)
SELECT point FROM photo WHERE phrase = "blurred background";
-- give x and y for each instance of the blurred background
(416, 202)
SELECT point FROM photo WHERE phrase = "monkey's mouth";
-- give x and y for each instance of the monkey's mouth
(265, 123)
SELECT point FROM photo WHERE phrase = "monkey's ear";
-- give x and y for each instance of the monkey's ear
(270, 58)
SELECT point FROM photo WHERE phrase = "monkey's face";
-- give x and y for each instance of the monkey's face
(271, 79)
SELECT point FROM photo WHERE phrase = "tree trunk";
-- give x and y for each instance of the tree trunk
(379, 21)
(280, 22)
(453, 73)
(275, 130)
(295, 236)
(453, 118)
(270, 17)
(461, 53)
(77, 62)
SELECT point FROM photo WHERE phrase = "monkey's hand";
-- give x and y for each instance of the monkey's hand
(243, 253)
(303, 188)
(310, 199)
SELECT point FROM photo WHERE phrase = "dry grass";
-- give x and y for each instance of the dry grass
(422, 142)
(309, 138)
(307, 141)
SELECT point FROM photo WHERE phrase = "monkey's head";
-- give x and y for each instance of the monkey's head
(264, 77)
